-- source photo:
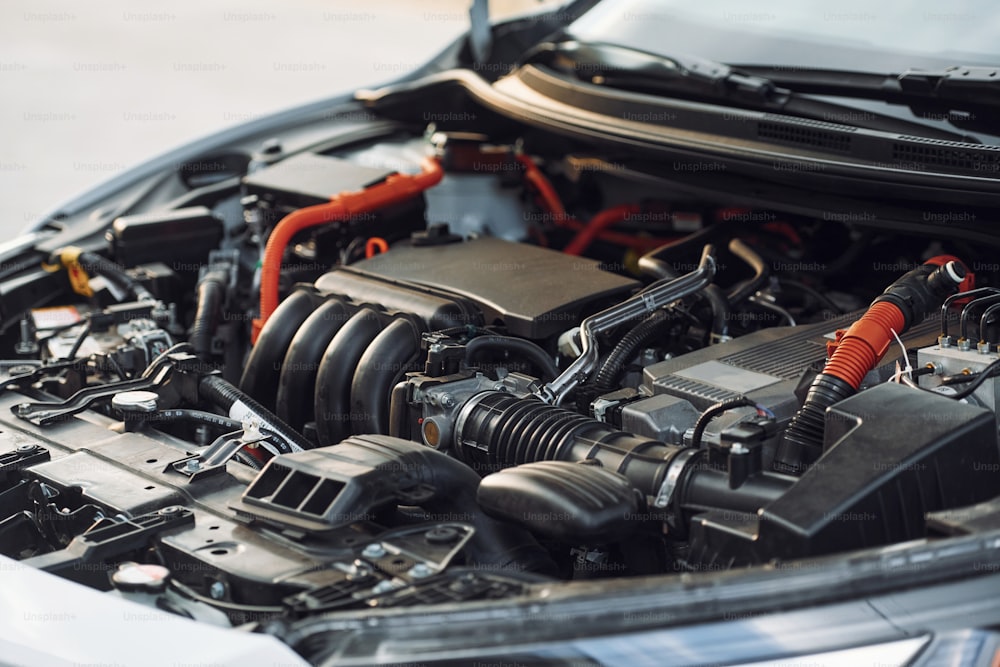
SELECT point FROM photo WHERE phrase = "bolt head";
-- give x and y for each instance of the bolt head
(383, 587)
(420, 571)
(373, 550)
(217, 590)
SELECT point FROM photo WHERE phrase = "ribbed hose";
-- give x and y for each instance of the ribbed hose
(903, 304)
(227, 397)
(211, 295)
(857, 353)
(865, 343)
(497, 430)
(626, 348)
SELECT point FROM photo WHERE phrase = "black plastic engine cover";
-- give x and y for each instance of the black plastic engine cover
(894, 454)
(533, 291)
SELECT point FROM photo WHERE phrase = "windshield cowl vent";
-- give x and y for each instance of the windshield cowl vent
(815, 134)
(982, 160)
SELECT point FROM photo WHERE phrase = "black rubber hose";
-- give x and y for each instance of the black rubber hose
(760, 272)
(393, 352)
(711, 413)
(113, 273)
(811, 292)
(78, 341)
(974, 385)
(721, 311)
(532, 352)
(692, 243)
(497, 430)
(297, 385)
(227, 397)
(262, 373)
(703, 488)
(336, 374)
(211, 295)
(626, 348)
(199, 417)
(656, 268)
(221, 425)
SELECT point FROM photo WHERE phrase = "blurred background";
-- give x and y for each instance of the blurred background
(91, 89)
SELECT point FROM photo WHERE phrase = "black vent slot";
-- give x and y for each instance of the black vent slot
(687, 388)
(293, 490)
(948, 154)
(814, 134)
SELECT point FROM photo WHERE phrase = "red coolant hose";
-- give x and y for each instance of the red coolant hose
(394, 189)
(553, 206)
(598, 224)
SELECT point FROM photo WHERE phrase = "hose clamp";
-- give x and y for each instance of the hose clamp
(666, 493)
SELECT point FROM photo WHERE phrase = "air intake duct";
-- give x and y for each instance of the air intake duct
(498, 430)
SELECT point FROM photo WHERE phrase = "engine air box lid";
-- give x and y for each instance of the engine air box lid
(533, 291)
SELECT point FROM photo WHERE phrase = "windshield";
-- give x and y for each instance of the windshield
(889, 35)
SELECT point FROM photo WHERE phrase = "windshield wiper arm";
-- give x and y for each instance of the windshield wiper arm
(760, 88)
(956, 86)
(604, 63)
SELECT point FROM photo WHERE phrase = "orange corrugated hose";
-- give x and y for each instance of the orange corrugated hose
(394, 189)
(865, 342)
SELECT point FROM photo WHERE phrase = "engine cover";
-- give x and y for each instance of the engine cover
(532, 291)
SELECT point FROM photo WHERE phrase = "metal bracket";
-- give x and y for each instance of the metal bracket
(155, 378)
(214, 458)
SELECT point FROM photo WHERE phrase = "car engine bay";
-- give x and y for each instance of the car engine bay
(423, 365)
